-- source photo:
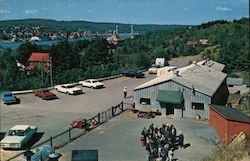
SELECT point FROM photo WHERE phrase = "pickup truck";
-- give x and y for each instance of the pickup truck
(8, 97)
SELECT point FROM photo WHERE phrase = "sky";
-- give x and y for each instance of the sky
(182, 12)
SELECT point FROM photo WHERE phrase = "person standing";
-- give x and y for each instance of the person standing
(181, 140)
(125, 92)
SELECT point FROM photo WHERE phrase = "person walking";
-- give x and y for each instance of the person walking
(125, 92)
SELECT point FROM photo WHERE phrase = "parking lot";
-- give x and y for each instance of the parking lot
(118, 139)
(54, 116)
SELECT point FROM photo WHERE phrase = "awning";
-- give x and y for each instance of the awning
(170, 97)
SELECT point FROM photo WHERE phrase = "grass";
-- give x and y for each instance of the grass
(227, 153)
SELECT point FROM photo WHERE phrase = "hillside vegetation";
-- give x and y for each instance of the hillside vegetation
(53, 25)
(228, 44)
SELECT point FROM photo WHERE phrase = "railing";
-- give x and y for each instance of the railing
(69, 135)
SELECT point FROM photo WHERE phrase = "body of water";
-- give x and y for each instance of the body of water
(13, 45)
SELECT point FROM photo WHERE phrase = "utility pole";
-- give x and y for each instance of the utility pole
(50, 71)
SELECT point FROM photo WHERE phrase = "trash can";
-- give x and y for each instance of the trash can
(198, 117)
(54, 156)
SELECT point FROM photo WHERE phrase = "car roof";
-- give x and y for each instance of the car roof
(6, 93)
(91, 80)
(20, 127)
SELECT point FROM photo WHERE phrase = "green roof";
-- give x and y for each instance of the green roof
(230, 113)
(170, 97)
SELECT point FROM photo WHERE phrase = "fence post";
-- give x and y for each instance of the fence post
(122, 106)
(69, 133)
(113, 111)
(99, 118)
(51, 141)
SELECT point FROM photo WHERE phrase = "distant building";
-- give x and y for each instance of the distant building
(192, 42)
(114, 39)
(39, 61)
(238, 85)
(228, 122)
(204, 41)
(184, 92)
(35, 38)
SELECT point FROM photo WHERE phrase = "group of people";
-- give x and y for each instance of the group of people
(161, 142)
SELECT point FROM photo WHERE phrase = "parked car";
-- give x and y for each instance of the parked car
(8, 97)
(18, 136)
(92, 83)
(45, 94)
(134, 73)
(68, 89)
(153, 69)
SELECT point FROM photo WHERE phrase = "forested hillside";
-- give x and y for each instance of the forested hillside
(225, 42)
(53, 25)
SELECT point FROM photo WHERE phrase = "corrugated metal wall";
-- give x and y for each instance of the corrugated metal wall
(189, 97)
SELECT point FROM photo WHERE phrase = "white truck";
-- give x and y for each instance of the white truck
(160, 62)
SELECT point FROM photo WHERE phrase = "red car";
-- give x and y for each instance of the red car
(45, 94)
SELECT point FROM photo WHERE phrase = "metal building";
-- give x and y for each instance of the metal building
(185, 92)
(228, 122)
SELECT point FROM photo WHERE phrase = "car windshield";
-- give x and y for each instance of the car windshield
(46, 91)
(94, 81)
(7, 95)
(16, 133)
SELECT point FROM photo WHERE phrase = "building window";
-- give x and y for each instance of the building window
(145, 101)
(198, 106)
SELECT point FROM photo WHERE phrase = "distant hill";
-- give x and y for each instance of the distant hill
(82, 25)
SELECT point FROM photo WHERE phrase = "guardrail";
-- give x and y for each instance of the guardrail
(68, 135)
(99, 79)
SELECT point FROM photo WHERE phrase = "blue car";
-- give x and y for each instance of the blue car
(8, 97)
(133, 73)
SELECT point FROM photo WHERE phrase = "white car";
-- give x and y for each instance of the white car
(68, 89)
(92, 83)
(18, 136)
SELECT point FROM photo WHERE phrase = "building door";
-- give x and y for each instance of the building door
(169, 109)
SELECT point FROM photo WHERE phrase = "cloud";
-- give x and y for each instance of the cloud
(219, 8)
(29, 12)
(2, 11)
